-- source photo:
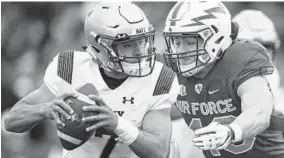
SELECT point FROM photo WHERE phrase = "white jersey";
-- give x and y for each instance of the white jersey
(131, 100)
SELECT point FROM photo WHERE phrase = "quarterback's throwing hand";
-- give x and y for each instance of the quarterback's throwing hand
(213, 136)
(106, 118)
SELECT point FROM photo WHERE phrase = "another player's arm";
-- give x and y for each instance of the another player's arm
(257, 105)
(37, 106)
(154, 137)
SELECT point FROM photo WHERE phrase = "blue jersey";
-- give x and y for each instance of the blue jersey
(214, 97)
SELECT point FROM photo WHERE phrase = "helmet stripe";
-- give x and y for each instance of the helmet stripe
(176, 9)
(210, 15)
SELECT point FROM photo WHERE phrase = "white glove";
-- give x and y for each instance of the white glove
(213, 136)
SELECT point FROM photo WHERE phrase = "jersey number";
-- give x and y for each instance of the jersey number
(241, 147)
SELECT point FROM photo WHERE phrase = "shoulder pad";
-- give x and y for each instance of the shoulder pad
(65, 65)
(164, 82)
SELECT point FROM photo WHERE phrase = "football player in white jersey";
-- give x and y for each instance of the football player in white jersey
(135, 92)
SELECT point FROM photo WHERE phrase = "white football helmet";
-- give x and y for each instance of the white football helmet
(121, 39)
(206, 19)
(255, 25)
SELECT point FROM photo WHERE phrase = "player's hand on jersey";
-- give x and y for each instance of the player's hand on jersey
(57, 107)
(213, 136)
(105, 118)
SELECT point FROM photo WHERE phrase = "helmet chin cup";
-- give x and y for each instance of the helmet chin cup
(188, 73)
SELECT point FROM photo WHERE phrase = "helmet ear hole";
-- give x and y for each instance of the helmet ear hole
(219, 40)
(215, 28)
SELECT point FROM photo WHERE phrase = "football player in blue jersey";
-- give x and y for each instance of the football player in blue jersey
(135, 93)
(225, 96)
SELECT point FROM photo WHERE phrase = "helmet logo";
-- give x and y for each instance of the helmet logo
(140, 30)
(206, 34)
(210, 15)
(111, 64)
(205, 57)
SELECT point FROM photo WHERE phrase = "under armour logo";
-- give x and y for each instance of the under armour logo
(130, 100)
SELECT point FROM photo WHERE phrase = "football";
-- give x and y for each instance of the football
(74, 133)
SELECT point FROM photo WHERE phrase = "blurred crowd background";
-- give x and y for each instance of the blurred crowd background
(33, 33)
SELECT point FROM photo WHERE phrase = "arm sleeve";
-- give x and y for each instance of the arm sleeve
(166, 100)
(58, 75)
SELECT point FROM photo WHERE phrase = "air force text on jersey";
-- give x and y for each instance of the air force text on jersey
(206, 108)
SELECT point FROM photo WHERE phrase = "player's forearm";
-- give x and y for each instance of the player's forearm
(257, 104)
(142, 142)
(150, 145)
(23, 117)
(253, 121)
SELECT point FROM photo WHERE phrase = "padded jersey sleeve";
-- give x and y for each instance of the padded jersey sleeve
(258, 64)
(166, 90)
(51, 77)
(58, 75)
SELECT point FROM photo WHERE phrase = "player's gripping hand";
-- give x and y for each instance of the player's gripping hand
(105, 118)
(213, 136)
(57, 107)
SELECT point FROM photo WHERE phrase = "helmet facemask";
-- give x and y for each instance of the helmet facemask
(131, 55)
(191, 61)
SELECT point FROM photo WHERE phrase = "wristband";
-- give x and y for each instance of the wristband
(237, 132)
(126, 132)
